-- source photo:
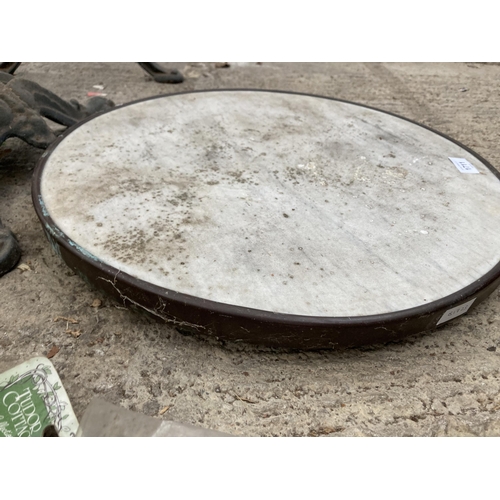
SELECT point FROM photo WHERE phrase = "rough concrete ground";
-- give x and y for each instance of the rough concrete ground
(445, 382)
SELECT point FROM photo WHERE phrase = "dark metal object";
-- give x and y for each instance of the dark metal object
(236, 323)
(160, 74)
(9, 67)
(10, 253)
(24, 103)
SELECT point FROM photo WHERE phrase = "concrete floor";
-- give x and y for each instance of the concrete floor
(445, 382)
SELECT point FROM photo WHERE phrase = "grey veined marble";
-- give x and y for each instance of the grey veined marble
(280, 202)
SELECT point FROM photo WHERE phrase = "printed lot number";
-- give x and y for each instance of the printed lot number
(456, 311)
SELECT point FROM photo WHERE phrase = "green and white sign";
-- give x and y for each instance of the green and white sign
(32, 399)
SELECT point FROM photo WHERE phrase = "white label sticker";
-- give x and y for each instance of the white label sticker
(464, 166)
(456, 311)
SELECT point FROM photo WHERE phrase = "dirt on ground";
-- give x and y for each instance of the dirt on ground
(445, 382)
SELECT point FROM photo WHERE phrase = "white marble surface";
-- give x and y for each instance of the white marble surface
(278, 202)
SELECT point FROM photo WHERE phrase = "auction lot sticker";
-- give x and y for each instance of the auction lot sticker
(33, 402)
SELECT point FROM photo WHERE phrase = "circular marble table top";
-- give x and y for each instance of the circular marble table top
(275, 209)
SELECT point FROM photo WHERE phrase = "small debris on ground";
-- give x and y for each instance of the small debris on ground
(464, 89)
(245, 399)
(53, 351)
(24, 267)
(96, 94)
(74, 333)
(73, 321)
(98, 87)
(96, 303)
(163, 410)
(189, 72)
(222, 65)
